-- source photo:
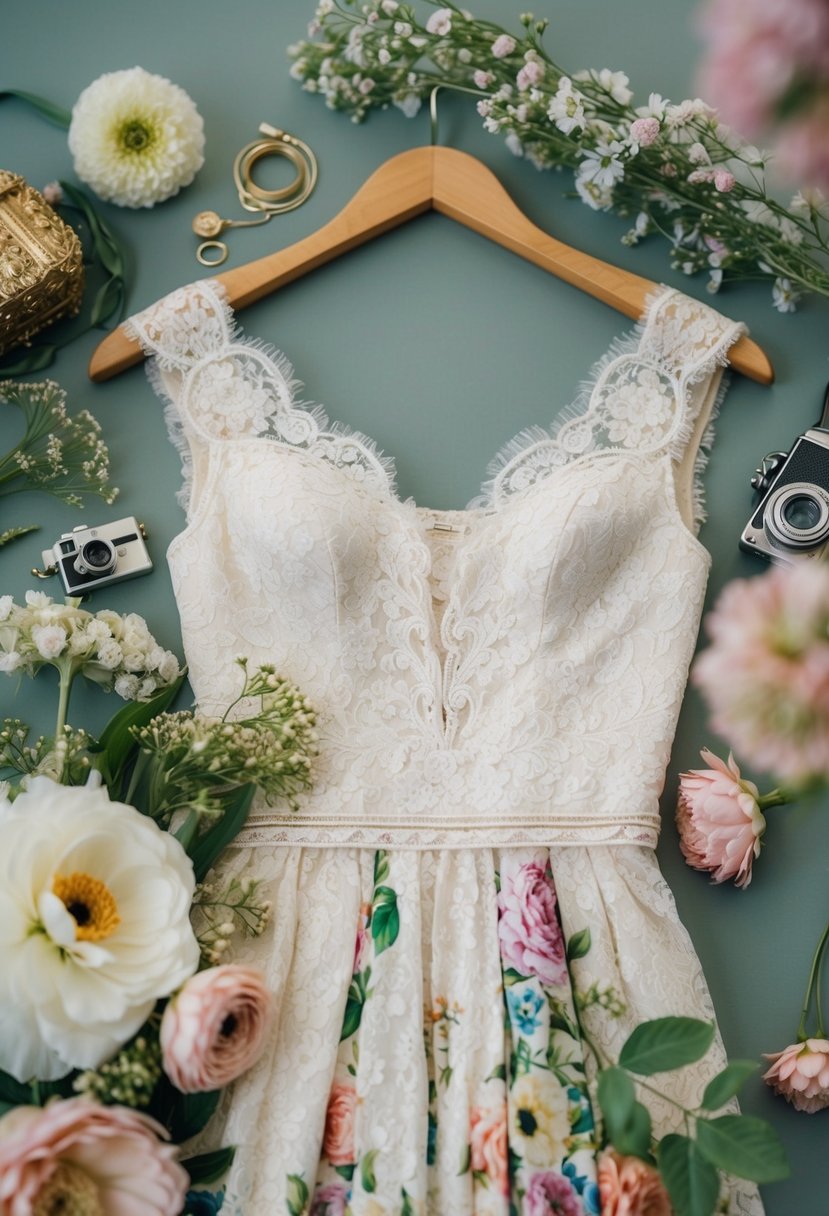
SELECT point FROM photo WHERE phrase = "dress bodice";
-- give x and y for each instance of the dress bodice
(506, 674)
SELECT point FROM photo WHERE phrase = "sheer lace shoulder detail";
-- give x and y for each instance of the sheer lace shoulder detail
(644, 395)
(221, 385)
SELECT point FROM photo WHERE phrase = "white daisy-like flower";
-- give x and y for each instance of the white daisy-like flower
(94, 926)
(136, 138)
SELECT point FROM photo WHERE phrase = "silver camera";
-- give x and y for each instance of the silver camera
(87, 558)
(791, 521)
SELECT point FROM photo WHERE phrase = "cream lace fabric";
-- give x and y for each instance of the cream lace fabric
(498, 690)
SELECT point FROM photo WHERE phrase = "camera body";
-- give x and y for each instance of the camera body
(88, 558)
(791, 521)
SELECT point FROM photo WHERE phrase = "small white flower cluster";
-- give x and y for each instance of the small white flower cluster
(59, 453)
(130, 1077)
(113, 650)
(674, 167)
(218, 910)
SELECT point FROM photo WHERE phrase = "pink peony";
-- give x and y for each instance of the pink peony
(719, 820)
(531, 939)
(488, 1144)
(551, 1194)
(800, 1074)
(338, 1138)
(215, 1027)
(330, 1200)
(766, 673)
(629, 1187)
(76, 1155)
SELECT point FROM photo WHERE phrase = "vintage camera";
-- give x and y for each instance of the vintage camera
(791, 521)
(88, 558)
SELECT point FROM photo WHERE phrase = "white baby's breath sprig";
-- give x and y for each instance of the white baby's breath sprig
(220, 909)
(673, 166)
(61, 453)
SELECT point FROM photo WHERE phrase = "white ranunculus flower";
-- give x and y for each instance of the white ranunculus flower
(136, 138)
(94, 926)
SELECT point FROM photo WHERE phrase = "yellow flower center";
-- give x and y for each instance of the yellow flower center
(69, 1192)
(91, 903)
(135, 135)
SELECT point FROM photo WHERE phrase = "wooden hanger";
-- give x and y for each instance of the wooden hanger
(409, 184)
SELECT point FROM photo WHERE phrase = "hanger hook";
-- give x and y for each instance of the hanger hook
(433, 103)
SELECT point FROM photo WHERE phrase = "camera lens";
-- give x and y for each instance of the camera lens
(96, 557)
(797, 515)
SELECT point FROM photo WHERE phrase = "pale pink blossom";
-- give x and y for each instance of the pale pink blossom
(528, 925)
(630, 1187)
(362, 942)
(338, 1138)
(77, 1155)
(724, 181)
(482, 79)
(719, 820)
(766, 673)
(440, 22)
(53, 193)
(215, 1027)
(488, 1144)
(330, 1200)
(800, 1074)
(696, 176)
(503, 46)
(531, 73)
(645, 131)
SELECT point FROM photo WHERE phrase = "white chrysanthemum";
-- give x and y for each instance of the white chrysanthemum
(136, 138)
(94, 926)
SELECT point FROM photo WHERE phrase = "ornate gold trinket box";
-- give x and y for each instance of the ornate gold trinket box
(41, 263)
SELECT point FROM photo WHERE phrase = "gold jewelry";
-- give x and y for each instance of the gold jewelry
(256, 198)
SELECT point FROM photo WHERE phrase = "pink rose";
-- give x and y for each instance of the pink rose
(629, 1187)
(551, 1194)
(338, 1138)
(488, 1144)
(528, 927)
(800, 1074)
(330, 1200)
(100, 1158)
(215, 1027)
(719, 819)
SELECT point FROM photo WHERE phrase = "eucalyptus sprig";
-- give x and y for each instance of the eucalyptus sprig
(675, 169)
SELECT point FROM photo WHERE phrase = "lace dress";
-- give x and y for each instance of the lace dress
(498, 690)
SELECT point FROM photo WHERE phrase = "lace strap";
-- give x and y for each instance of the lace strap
(184, 327)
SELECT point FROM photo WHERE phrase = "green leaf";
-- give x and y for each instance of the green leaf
(499, 1073)
(578, 945)
(634, 1139)
(665, 1043)
(726, 1084)
(38, 358)
(48, 109)
(743, 1145)
(353, 1014)
(191, 1113)
(617, 1098)
(107, 301)
(209, 1167)
(385, 919)
(345, 1171)
(367, 1178)
(466, 1160)
(117, 742)
(381, 866)
(297, 1195)
(693, 1183)
(14, 1092)
(215, 840)
(407, 1208)
(511, 976)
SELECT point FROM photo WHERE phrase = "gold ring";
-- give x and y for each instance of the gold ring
(248, 157)
(205, 245)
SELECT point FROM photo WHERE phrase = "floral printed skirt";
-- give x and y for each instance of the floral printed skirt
(427, 1059)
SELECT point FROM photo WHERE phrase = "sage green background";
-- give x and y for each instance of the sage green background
(441, 346)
